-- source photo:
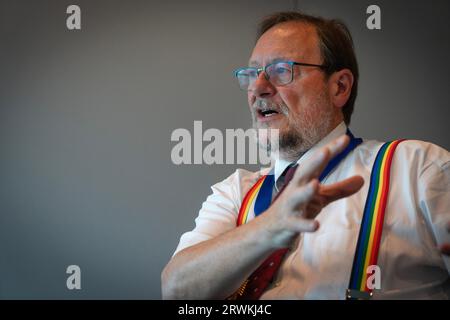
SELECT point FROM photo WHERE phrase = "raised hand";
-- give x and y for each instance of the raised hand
(294, 211)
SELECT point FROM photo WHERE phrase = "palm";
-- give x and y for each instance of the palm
(329, 193)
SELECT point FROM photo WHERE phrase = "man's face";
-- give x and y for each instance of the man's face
(304, 112)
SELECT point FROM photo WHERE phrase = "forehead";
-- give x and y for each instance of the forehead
(288, 41)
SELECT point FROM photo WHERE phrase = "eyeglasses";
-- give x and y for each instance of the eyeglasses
(278, 73)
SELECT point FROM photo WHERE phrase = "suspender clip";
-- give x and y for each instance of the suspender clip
(352, 294)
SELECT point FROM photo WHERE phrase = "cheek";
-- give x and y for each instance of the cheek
(251, 99)
(302, 98)
(292, 100)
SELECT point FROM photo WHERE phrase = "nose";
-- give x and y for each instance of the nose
(261, 87)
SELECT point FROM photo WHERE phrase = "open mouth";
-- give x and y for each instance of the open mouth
(267, 112)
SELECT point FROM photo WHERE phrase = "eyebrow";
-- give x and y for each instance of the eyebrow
(254, 63)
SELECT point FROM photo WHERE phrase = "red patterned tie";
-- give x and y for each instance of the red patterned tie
(259, 280)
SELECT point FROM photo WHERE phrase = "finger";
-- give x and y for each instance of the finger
(313, 167)
(305, 225)
(301, 197)
(312, 210)
(338, 145)
(341, 189)
(445, 249)
(314, 206)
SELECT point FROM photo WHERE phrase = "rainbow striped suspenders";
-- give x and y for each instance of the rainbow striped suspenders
(368, 245)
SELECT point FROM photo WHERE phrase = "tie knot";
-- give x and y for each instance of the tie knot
(287, 175)
(290, 172)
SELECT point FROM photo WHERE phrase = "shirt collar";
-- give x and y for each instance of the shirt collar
(281, 164)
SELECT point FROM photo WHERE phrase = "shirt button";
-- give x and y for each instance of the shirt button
(256, 289)
(255, 278)
(271, 264)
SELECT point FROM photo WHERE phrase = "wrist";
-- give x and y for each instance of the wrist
(272, 234)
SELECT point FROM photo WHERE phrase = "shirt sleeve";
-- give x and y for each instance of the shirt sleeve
(434, 193)
(218, 213)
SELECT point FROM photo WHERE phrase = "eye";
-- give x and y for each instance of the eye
(250, 73)
(282, 70)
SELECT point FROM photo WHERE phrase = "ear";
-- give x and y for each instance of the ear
(340, 84)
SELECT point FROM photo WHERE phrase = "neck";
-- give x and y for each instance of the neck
(292, 156)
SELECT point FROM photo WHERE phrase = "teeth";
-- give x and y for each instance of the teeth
(268, 113)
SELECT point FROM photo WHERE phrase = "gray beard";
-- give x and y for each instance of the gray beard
(301, 134)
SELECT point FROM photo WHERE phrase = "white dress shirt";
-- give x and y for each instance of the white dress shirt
(319, 264)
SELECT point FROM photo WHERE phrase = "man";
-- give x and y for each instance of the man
(302, 80)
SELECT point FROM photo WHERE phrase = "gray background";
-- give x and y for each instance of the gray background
(86, 116)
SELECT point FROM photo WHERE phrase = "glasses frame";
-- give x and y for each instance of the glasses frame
(291, 64)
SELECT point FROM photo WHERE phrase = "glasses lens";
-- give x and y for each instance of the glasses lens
(246, 77)
(280, 73)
